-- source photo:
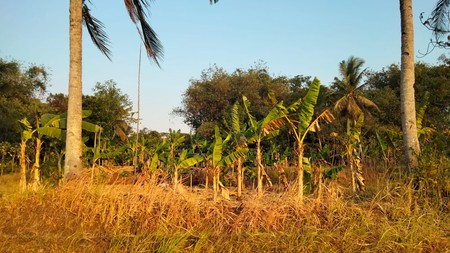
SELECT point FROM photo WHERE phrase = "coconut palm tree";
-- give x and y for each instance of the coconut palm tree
(80, 14)
(411, 144)
(438, 23)
(351, 105)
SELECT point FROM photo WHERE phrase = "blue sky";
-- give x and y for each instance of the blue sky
(293, 37)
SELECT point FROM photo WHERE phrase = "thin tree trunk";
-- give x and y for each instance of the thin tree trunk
(215, 185)
(239, 177)
(300, 171)
(408, 108)
(352, 170)
(358, 167)
(35, 172)
(259, 167)
(175, 179)
(60, 178)
(23, 167)
(206, 179)
(135, 159)
(73, 164)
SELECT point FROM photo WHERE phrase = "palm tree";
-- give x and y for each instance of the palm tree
(351, 105)
(80, 14)
(438, 23)
(411, 144)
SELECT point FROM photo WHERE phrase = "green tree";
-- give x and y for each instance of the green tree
(110, 109)
(57, 103)
(351, 106)
(20, 93)
(208, 100)
(384, 90)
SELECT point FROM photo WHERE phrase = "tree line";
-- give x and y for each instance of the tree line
(247, 125)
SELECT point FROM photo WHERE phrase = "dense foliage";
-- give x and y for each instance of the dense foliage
(249, 119)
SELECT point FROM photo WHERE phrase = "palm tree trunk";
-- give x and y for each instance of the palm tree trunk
(408, 108)
(73, 165)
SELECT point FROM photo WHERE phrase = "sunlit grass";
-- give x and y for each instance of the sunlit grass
(85, 217)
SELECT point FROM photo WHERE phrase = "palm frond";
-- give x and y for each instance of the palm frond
(353, 109)
(439, 24)
(440, 17)
(341, 104)
(354, 65)
(136, 10)
(365, 102)
(96, 31)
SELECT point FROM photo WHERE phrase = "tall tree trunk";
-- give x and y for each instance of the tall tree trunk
(410, 139)
(73, 165)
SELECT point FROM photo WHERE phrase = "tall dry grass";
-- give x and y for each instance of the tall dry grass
(86, 217)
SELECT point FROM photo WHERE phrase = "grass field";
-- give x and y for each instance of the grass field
(85, 217)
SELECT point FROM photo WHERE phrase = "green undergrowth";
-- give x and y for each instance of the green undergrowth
(85, 217)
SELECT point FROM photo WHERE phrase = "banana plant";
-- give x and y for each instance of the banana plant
(353, 152)
(183, 162)
(52, 126)
(421, 130)
(265, 128)
(301, 123)
(170, 155)
(219, 159)
(25, 135)
(239, 135)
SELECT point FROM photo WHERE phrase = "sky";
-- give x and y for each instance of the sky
(292, 37)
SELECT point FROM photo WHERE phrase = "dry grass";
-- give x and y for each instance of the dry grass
(85, 217)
